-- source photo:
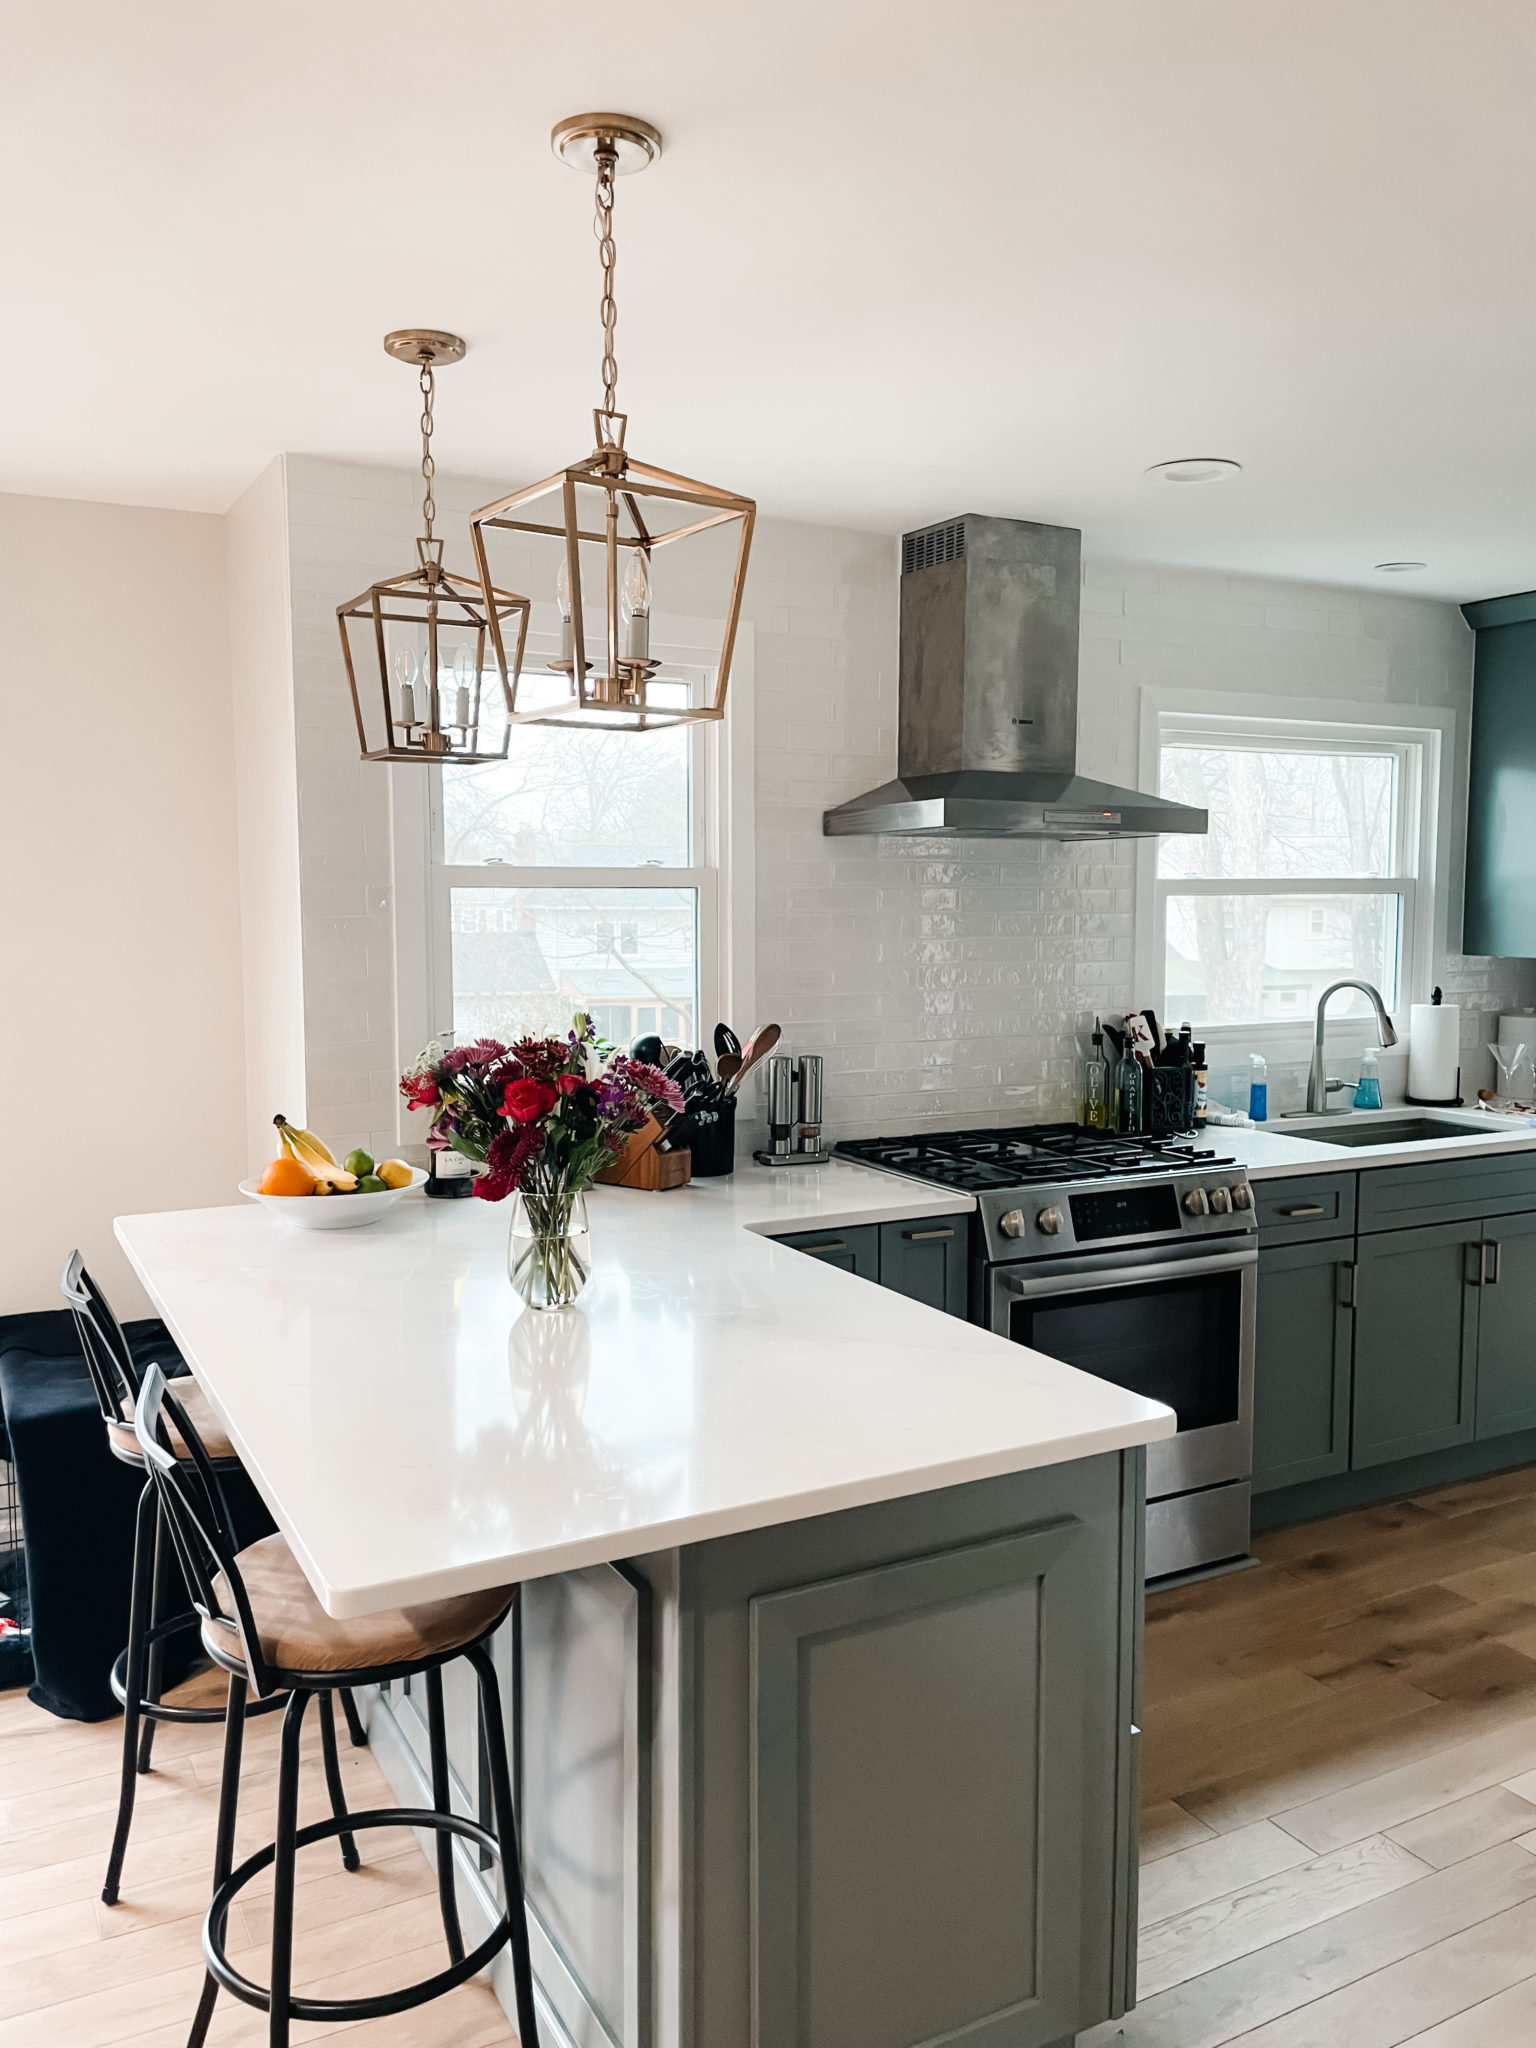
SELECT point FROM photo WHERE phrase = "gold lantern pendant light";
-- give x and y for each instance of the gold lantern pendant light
(446, 649)
(618, 508)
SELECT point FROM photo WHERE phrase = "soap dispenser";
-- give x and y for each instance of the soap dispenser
(1368, 1087)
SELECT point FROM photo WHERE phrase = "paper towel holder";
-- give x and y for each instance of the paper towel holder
(1456, 1101)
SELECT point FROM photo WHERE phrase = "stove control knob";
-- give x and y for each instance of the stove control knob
(1242, 1196)
(1195, 1202)
(1049, 1220)
(1012, 1224)
(1221, 1201)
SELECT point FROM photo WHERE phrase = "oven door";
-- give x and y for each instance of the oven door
(1176, 1325)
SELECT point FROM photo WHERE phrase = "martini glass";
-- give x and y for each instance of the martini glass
(1506, 1058)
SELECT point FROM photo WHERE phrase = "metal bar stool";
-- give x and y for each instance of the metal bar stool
(155, 1612)
(262, 1622)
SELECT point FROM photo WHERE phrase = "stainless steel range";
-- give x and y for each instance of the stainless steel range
(1135, 1259)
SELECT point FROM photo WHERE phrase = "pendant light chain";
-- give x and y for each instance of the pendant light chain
(602, 227)
(428, 466)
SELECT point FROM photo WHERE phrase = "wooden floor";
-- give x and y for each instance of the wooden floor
(77, 1974)
(1339, 1785)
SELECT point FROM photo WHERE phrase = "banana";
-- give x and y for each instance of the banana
(313, 1156)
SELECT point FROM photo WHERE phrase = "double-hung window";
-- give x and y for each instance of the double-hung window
(1318, 866)
(587, 871)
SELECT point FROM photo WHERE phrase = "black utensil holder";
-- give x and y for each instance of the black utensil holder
(1167, 1101)
(713, 1139)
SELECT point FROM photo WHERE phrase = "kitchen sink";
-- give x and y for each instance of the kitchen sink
(1405, 1130)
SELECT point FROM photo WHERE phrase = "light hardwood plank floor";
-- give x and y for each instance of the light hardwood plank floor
(1339, 1785)
(77, 1974)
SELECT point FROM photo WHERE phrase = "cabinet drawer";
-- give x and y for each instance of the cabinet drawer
(855, 1251)
(1303, 1207)
(926, 1257)
(1447, 1191)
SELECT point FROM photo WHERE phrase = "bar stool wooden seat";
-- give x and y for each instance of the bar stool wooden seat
(155, 1612)
(262, 1622)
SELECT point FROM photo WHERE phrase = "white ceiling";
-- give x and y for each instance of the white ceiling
(900, 260)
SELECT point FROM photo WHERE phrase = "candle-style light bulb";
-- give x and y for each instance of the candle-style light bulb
(635, 606)
(405, 677)
(563, 600)
(463, 677)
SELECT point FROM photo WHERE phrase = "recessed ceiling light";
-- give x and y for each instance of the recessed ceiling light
(1196, 469)
(1399, 568)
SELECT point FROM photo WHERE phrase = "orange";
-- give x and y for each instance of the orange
(285, 1176)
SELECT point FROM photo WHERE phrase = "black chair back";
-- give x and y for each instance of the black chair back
(198, 1517)
(108, 1359)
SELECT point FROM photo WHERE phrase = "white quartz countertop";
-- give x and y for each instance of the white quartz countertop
(416, 1432)
(1281, 1147)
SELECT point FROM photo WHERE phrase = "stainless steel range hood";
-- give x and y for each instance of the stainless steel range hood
(987, 732)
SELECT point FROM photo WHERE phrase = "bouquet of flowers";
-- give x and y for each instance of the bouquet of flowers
(543, 1117)
(550, 1109)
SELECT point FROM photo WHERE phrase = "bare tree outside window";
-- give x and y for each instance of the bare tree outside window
(1281, 820)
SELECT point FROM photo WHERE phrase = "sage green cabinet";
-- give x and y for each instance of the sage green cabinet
(1415, 1353)
(922, 1256)
(926, 1258)
(1506, 1334)
(855, 1250)
(1304, 1353)
(1500, 915)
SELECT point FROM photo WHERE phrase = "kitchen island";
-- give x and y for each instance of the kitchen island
(824, 1678)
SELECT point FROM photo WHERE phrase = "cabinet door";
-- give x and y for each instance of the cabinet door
(1506, 1335)
(1301, 1373)
(855, 1251)
(926, 1259)
(1415, 1341)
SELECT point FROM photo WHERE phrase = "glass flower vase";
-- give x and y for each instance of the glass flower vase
(548, 1245)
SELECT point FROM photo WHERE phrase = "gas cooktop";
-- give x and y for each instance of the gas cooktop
(1029, 1155)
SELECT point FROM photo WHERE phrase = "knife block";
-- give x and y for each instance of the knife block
(642, 1165)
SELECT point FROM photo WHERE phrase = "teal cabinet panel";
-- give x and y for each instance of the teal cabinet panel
(1302, 1366)
(1301, 1207)
(854, 1251)
(926, 1258)
(1506, 1333)
(882, 1703)
(1500, 917)
(1446, 1191)
(1415, 1361)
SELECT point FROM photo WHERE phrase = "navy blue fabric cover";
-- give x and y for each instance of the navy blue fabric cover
(77, 1509)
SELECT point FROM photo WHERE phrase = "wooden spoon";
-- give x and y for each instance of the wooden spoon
(757, 1047)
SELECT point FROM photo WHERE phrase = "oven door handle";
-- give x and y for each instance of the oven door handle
(1036, 1284)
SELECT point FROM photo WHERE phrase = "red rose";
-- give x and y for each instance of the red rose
(419, 1090)
(526, 1101)
(568, 1084)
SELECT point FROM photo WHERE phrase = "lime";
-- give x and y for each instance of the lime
(358, 1162)
(370, 1184)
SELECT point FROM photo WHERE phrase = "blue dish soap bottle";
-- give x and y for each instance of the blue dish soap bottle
(1368, 1087)
(1258, 1089)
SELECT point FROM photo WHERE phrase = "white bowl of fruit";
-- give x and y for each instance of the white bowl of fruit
(310, 1189)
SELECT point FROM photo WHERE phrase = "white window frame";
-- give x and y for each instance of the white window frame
(722, 838)
(1424, 739)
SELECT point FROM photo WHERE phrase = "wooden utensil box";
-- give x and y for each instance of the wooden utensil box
(642, 1164)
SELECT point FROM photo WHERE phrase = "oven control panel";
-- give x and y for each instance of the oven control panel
(1100, 1215)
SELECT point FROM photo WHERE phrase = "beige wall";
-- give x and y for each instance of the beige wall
(121, 1038)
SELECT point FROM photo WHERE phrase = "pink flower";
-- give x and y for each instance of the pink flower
(419, 1090)
(569, 1084)
(506, 1157)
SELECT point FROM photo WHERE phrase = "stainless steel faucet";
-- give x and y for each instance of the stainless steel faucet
(1318, 1084)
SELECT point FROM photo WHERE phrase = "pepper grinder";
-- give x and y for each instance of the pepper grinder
(808, 1145)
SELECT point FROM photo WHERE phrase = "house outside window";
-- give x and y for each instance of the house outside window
(1318, 867)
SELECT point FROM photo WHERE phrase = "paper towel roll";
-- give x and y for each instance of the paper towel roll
(1434, 1051)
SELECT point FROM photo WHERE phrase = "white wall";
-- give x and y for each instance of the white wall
(945, 982)
(121, 1033)
(267, 793)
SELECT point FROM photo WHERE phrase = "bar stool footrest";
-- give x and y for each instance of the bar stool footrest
(384, 2003)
